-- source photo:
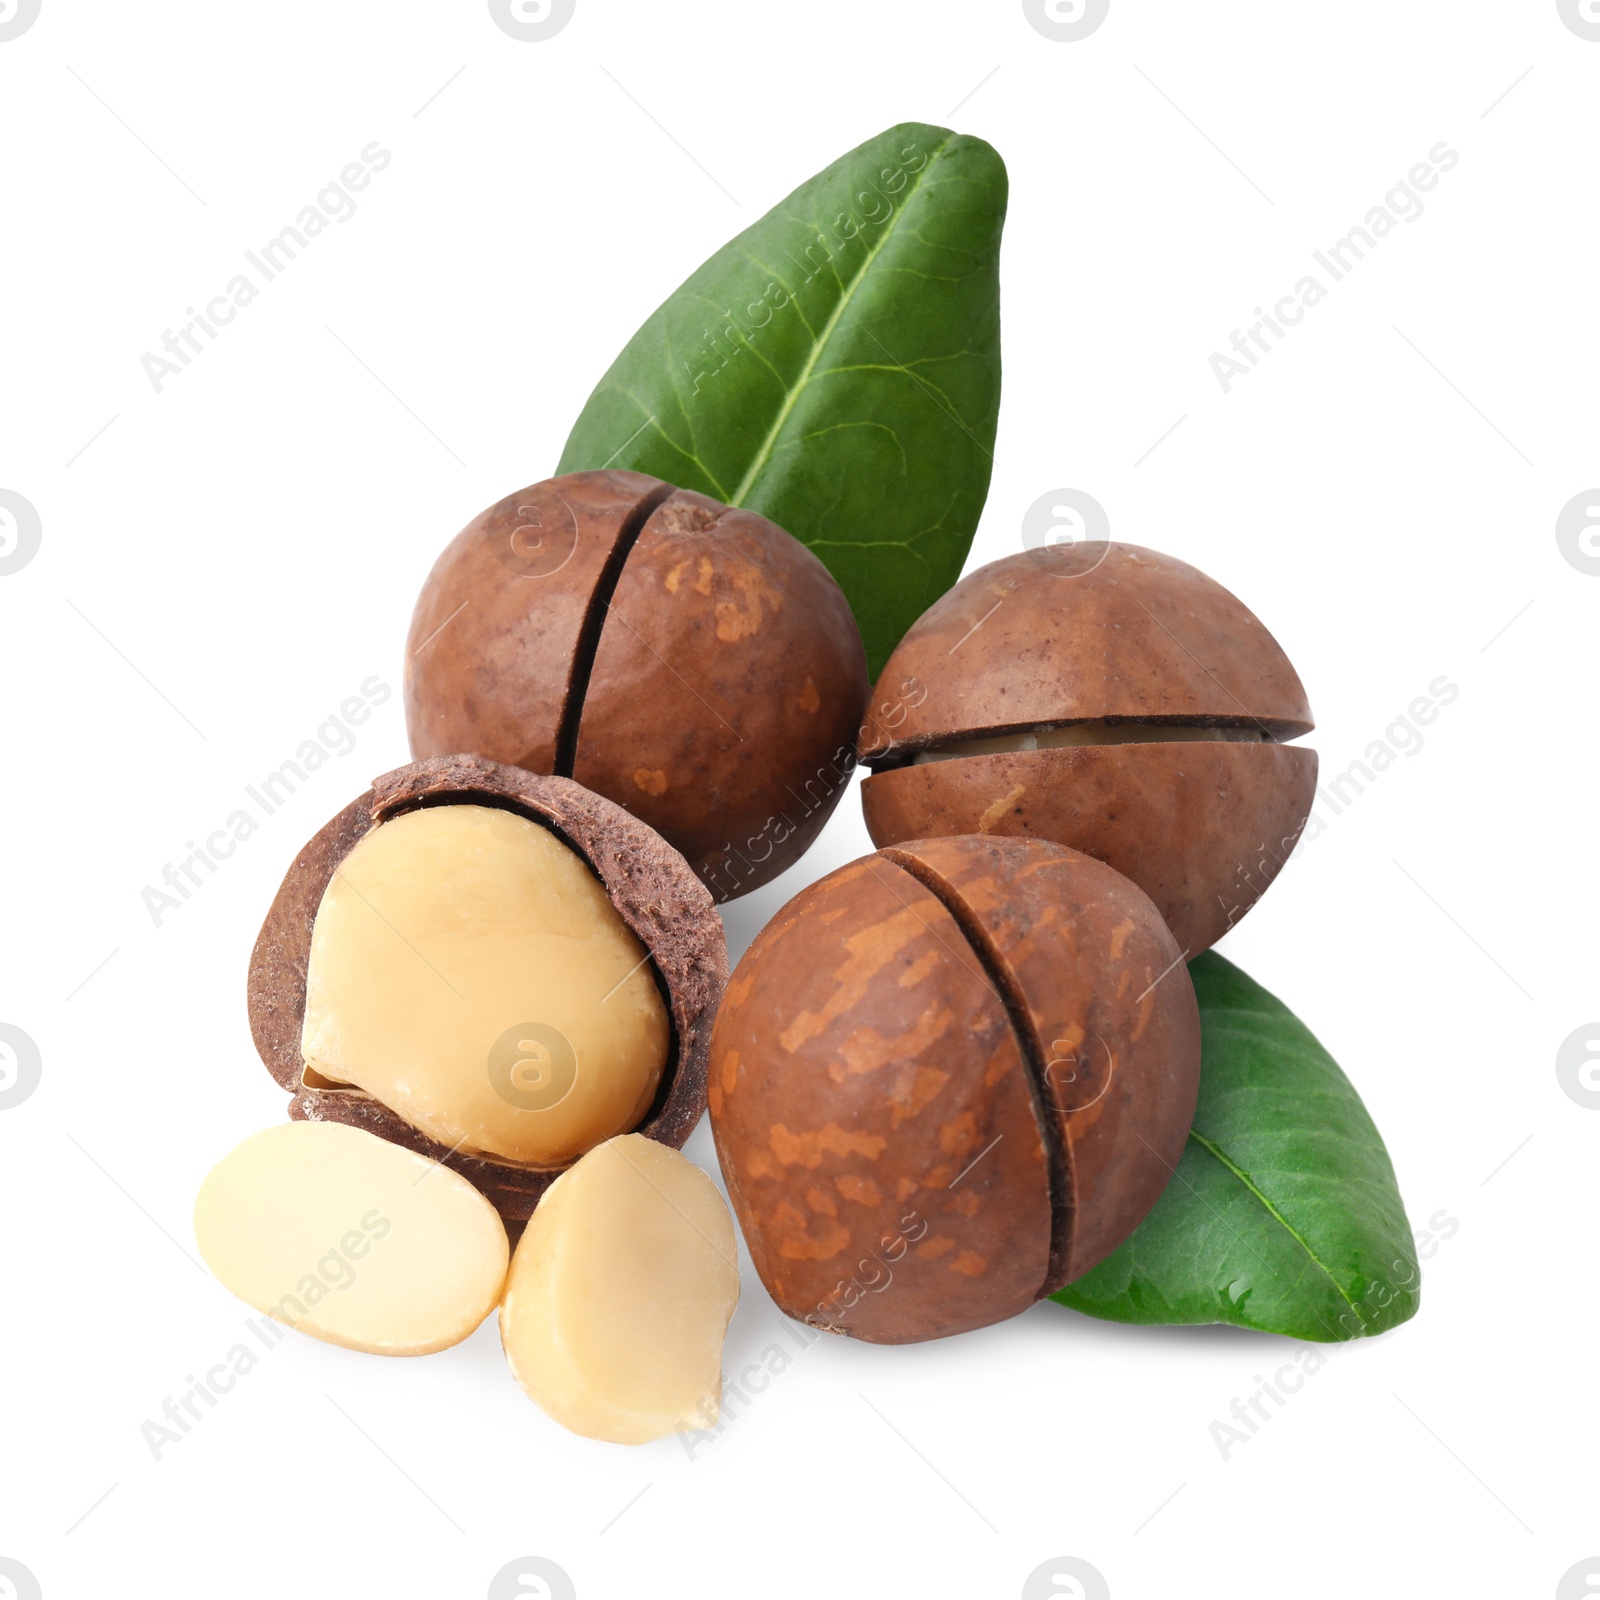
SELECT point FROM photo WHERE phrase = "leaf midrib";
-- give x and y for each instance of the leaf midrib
(764, 453)
(1278, 1217)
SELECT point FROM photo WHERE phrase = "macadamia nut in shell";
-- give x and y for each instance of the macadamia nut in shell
(948, 1079)
(689, 660)
(468, 970)
(496, 969)
(1108, 698)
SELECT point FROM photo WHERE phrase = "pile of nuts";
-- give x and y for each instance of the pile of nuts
(944, 1081)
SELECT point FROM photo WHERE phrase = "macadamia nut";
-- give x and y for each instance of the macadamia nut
(468, 970)
(948, 1079)
(352, 1239)
(1108, 698)
(620, 1295)
(688, 659)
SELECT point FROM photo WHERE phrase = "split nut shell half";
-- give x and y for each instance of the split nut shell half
(1105, 697)
(948, 1079)
(494, 969)
(691, 661)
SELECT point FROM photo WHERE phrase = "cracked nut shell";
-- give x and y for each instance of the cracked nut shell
(1103, 635)
(948, 1079)
(691, 661)
(648, 882)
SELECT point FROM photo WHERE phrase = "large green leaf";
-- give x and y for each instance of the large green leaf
(835, 367)
(1284, 1214)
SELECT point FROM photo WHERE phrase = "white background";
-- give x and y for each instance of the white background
(229, 559)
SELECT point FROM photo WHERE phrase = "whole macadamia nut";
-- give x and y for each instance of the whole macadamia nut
(1105, 697)
(496, 970)
(948, 1079)
(689, 660)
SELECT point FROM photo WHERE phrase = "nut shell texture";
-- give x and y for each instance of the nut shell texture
(948, 1078)
(1202, 828)
(1107, 1014)
(726, 691)
(496, 632)
(1082, 634)
(691, 661)
(1075, 633)
(650, 884)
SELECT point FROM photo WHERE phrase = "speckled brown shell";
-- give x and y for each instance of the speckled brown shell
(948, 1079)
(1085, 633)
(1202, 828)
(692, 662)
(649, 883)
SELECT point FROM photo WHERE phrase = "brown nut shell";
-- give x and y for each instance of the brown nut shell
(947, 1079)
(691, 661)
(1104, 634)
(1108, 1016)
(648, 882)
(726, 691)
(1073, 633)
(500, 626)
(1171, 816)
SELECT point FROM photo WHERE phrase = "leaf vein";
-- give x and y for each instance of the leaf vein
(1278, 1217)
(820, 340)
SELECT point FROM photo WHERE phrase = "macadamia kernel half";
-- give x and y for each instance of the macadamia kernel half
(352, 1239)
(469, 971)
(620, 1295)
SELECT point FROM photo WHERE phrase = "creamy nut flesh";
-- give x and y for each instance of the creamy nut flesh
(468, 970)
(1081, 733)
(352, 1239)
(620, 1295)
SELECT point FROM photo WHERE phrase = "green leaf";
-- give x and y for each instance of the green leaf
(835, 367)
(1284, 1214)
